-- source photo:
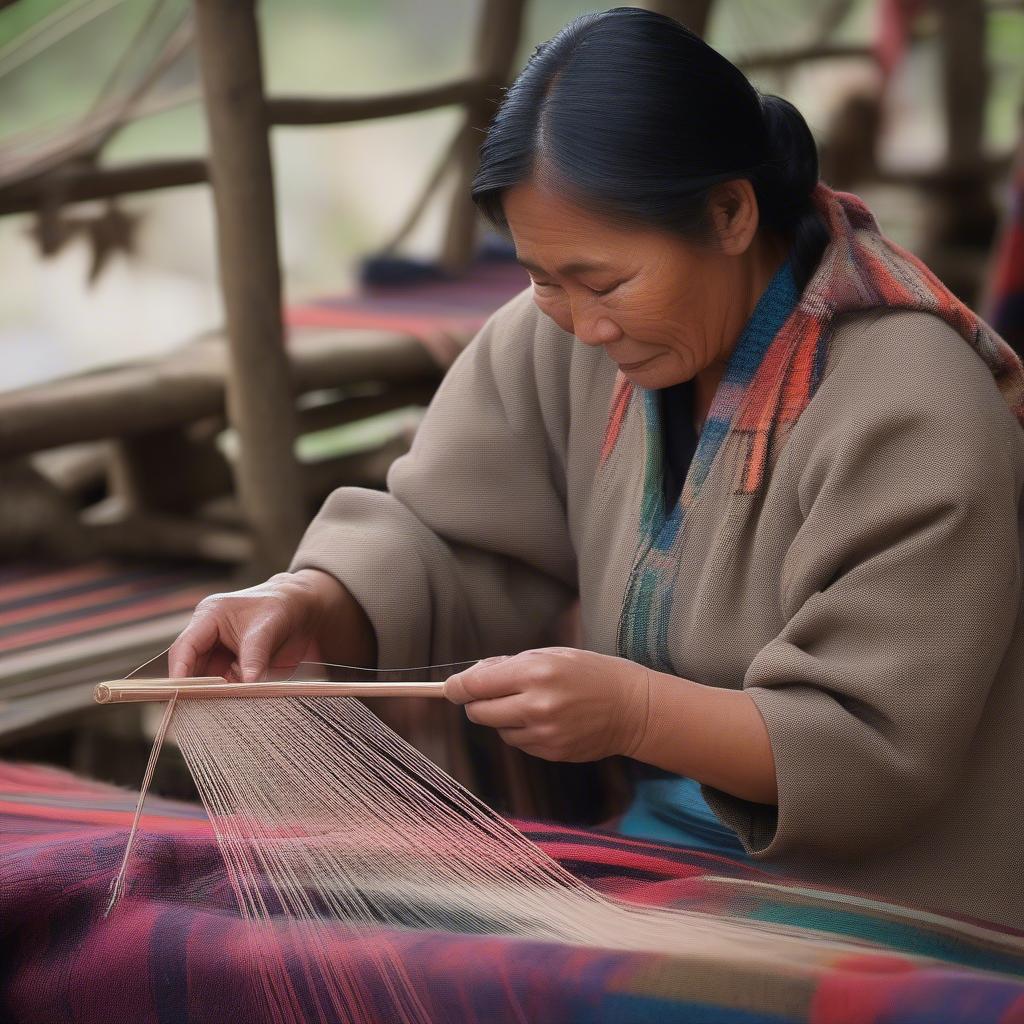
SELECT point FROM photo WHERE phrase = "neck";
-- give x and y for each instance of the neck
(765, 258)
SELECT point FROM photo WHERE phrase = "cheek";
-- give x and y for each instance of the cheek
(556, 308)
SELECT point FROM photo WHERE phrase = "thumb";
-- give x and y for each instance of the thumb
(455, 688)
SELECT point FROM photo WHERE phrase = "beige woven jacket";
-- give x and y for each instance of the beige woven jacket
(868, 597)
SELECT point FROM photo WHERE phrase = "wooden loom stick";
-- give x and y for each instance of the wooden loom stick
(121, 690)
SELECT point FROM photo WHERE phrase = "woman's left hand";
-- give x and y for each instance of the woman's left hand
(558, 703)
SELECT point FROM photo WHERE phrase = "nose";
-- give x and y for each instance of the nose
(592, 327)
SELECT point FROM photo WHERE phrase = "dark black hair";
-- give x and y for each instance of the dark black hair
(637, 118)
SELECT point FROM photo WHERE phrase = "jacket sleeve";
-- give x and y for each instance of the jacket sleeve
(901, 590)
(467, 553)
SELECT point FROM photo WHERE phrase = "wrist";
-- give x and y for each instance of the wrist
(343, 630)
(636, 712)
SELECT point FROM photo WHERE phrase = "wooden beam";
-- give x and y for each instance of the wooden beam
(259, 397)
(964, 80)
(121, 531)
(77, 184)
(694, 14)
(991, 168)
(308, 110)
(189, 385)
(803, 54)
(96, 406)
(349, 409)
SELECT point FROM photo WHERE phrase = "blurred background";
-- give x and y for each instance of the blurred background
(342, 190)
(169, 422)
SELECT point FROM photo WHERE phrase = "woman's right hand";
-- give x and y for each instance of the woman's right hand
(292, 617)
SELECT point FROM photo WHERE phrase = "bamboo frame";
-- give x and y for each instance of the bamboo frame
(117, 691)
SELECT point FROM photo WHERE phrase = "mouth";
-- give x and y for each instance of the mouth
(629, 367)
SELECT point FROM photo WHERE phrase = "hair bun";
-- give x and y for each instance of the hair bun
(794, 153)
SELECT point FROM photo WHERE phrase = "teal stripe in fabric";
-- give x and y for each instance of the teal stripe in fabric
(643, 626)
(903, 936)
(650, 1010)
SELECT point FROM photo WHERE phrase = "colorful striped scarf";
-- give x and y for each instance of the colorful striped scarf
(767, 384)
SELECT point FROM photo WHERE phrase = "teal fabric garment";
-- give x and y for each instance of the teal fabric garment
(670, 808)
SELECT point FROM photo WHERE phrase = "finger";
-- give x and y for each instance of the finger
(530, 743)
(192, 646)
(259, 644)
(482, 682)
(218, 661)
(515, 737)
(500, 713)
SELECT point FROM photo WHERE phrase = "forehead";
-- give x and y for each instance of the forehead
(548, 227)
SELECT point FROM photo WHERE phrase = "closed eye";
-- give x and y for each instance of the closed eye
(593, 291)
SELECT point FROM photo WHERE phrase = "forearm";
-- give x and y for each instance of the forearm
(714, 735)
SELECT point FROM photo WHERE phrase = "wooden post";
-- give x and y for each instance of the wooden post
(259, 395)
(496, 44)
(964, 81)
(694, 14)
(961, 233)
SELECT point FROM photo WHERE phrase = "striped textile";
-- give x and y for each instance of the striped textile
(443, 315)
(41, 605)
(175, 949)
(64, 627)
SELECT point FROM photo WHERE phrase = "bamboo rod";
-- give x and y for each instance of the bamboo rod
(117, 691)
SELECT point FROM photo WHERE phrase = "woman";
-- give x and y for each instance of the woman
(779, 463)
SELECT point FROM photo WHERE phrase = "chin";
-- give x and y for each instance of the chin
(657, 374)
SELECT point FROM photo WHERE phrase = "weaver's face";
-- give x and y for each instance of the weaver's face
(658, 306)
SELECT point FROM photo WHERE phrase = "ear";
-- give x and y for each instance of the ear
(732, 208)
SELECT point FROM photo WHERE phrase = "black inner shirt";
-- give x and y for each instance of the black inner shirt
(680, 438)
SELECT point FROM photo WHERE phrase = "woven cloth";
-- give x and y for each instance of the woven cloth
(443, 315)
(166, 956)
(42, 604)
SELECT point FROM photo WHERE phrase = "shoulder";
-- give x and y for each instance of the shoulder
(910, 355)
(907, 370)
(906, 409)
